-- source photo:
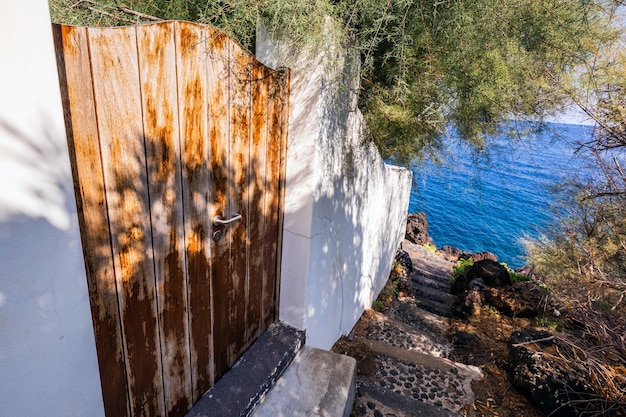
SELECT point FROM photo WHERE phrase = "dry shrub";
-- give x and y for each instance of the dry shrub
(593, 344)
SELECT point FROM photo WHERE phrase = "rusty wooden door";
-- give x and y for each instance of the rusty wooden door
(172, 127)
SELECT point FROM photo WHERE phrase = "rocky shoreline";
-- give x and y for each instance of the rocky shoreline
(535, 355)
(553, 360)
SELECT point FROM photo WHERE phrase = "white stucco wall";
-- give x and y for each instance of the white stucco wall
(48, 363)
(345, 210)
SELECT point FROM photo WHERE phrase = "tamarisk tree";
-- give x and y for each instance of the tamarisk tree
(426, 64)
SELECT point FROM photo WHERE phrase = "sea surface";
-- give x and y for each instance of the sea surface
(490, 202)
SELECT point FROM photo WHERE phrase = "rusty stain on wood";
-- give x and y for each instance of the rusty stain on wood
(257, 200)
(240, 65)
(117, 94)
(271, 196)
(194, 124)
(169, 125)
(79, 111)
(157, 55)
(218, 78)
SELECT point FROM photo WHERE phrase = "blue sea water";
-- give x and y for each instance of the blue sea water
(479, 203)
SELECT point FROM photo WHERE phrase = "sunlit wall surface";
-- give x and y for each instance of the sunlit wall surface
(48, 363)
(345, 209)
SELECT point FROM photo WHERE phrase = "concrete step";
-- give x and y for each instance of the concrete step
(317, 383)
(434, 326)
(240, 389)
(425, 261)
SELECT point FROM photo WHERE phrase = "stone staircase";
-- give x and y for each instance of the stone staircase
(411, 374)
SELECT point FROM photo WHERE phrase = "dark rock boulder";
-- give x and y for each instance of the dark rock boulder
(401, 271)
(452, 253)
(404, 259)
(459, 286)
(467, 304)
(417, 228)
(490, 272)
(462, 338)
(478, 256)
(552, 385)
(521, 299)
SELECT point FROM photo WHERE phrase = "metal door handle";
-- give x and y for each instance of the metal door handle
(218, 221)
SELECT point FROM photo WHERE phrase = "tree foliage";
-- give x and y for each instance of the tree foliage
(584, 253)
(473, 64)
(425, 63)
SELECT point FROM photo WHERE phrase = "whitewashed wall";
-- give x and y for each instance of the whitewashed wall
(48, 361)
(345, 210)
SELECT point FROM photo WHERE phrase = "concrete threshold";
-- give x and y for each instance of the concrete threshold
(240, 389)
(316, 384)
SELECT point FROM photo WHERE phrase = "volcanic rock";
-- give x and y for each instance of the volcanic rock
(490, 272)
(554, 387)
(403, 258)
(417, 228)
(452, 253)
(478, 256)
(521, 299)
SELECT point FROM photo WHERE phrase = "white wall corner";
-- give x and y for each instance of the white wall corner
(345, 209)
(301, 174)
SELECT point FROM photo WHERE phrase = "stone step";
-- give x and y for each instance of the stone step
(427, 361)
(432, 328)
(431, 282)
(435, 307)
(433, 294)
(423, 378)
(422, 258)
(407, 312)
(317, 383)
(399, 335)
(240, 389)
(439, 279)
(432, 265)
(373, 401)
(408, 373)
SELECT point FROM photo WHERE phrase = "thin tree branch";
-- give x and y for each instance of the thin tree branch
(118, 8)
(530, 342)
(102, 12)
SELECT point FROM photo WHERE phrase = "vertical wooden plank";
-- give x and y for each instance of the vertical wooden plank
(80, 119)
(271, 199)
(240, 113)
(219, 163)
(118, 107)
(192, 58)
(276, 150)
(256, 194)
(283, 94)
(159, 98)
